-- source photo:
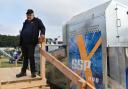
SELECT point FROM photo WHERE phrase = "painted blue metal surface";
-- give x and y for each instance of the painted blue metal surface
(95, 63)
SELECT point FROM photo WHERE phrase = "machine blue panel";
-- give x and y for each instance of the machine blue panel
(90, 68)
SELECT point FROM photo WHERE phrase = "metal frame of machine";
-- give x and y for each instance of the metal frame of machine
(111, 19)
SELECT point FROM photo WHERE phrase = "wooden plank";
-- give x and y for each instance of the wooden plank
(0, 86)
(42, 62)
(8, 80)
(8, 75)
(44, 87)
(24, 85)
(66, 71)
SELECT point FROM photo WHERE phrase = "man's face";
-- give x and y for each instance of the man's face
(30, 16)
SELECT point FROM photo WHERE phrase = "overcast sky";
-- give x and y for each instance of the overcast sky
(53, 13)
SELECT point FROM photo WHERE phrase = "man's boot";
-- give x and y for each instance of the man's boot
(33, 75)
(21, 74)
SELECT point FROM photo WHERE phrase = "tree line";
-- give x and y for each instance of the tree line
(13, 41)
(9, 41)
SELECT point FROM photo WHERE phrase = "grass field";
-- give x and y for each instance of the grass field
(4, 63)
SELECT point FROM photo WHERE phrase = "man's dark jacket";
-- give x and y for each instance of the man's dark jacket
(37, 27)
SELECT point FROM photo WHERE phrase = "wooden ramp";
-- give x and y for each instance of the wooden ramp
(8, 80)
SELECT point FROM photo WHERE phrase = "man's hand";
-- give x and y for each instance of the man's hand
(41, 39)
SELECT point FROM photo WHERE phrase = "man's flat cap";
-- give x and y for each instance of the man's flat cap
(29, 11)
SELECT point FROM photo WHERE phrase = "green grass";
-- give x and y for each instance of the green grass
(4, 63)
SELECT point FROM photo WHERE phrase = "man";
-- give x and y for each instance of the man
(32, 27)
